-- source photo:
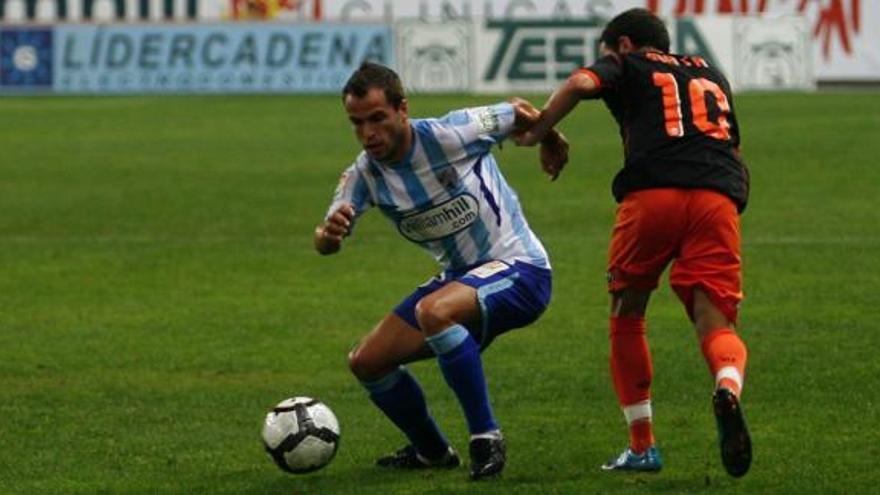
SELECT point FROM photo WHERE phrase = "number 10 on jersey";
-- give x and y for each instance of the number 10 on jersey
(696, 92)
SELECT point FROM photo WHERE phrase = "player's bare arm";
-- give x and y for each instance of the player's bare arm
(329, 235)
(577, 87)
(554, 146)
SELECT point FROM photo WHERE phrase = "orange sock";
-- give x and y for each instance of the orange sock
(725, 354)
(632, 371)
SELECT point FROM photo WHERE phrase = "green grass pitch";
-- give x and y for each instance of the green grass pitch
(159, 292)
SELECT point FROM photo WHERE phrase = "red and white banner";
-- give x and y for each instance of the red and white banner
(846, 33)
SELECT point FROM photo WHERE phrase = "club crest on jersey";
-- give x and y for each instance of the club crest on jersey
(448, 177)
(443, 220)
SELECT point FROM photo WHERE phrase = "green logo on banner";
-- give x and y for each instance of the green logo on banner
(533, 50)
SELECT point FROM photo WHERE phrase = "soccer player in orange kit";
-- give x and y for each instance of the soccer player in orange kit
(680, 193)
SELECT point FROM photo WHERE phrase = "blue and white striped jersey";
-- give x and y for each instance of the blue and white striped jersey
(448, 194)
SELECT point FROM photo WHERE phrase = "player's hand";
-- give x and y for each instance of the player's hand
(554, 154)
(329, 235)
(525, 116)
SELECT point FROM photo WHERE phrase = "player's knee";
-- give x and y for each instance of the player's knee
(630, 303)
(706, 315)
(707, 322)
(433, 315)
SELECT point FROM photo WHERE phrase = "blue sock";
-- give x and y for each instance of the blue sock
(459, 358)
(399, 396)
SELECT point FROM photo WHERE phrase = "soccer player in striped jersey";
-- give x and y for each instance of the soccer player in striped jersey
(681, 190)
(438, 183)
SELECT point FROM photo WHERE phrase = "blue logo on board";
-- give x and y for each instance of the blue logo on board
(26, 58)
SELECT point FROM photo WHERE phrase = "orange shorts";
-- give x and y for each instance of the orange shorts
(696, 229)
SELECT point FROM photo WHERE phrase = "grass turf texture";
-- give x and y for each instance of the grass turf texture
(160, 293)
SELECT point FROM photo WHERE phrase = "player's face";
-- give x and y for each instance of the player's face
(380, 128)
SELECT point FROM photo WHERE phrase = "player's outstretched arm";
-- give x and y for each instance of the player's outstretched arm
(577, 87)
(329, 235)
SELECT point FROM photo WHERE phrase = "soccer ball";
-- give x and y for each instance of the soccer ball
(301, 434)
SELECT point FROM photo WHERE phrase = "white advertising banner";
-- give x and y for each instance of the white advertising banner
(845, 34)
(524, 55)
(755, 53)
(708, 37)
(772, 54)
(373, 10)
(531, 55)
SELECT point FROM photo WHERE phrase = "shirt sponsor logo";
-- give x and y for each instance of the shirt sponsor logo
(443, 220)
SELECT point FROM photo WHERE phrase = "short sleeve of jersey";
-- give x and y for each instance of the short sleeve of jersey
(607, 72)
(352, 188)
(481, 125)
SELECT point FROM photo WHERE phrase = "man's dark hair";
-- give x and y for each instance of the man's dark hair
(643, 28)
(371, 75)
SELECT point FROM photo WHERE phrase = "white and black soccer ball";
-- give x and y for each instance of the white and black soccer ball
(301, 434)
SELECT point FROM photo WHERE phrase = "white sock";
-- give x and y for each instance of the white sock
(492, 434)
(640, 411)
